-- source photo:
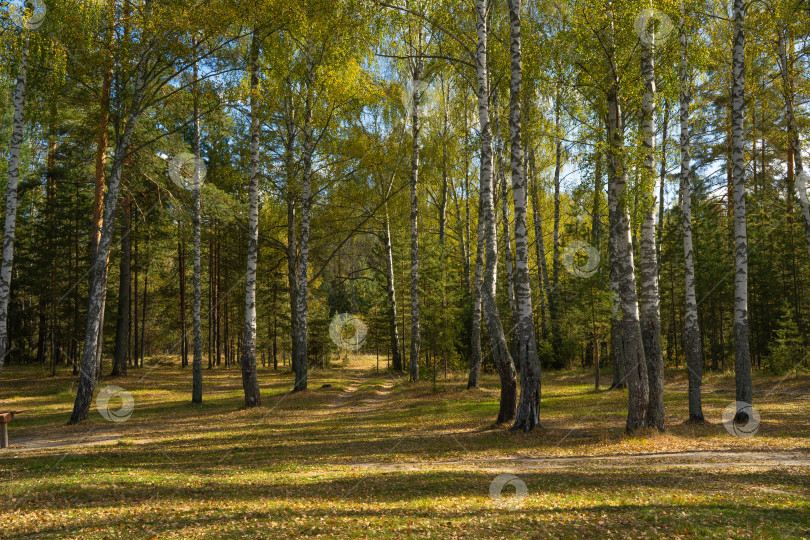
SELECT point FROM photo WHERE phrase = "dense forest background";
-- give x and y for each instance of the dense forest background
(360, 123)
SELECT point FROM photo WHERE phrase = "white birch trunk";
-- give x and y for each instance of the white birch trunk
(528, 411)
(87, 377)
(498, 345)
(11, 201)
(616, 337)
(650, 296)
(250, 380)
(622, 257)
(554, 292)
(507, 242)
(475, 334)
(742, 356)
(539, 246)
(292, 272)
(396, 359)
(416, 337)
(691, 334)
(301, 368)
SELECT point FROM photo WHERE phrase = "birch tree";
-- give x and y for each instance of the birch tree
(742, 353)
(417, 73)
(152, 73)
(554, 292)
(621, 255)
(396, 358)
(478, 284)
(11, 197)
(539, 243)
(250, 380)
(87, 377)
(650, 299)
(507, 238)
(498, 345)
(300, 365)
(691, 335)
(101, 168)
(528, 414)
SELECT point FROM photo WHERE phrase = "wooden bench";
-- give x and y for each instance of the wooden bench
(5, 418)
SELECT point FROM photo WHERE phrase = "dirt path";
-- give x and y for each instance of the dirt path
(365, 405)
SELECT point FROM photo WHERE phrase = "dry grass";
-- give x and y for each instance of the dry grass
(392, 459)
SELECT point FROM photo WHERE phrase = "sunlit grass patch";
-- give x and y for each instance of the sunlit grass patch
(371, 455)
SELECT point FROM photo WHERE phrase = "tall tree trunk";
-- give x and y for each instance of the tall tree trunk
(250, 379)
(691, 333)
(196, 362)
(211, 319)
(650, 295)
(498, 345)
(292, 274)
(306, 205)
(416, 337)
(100, 177)
(181, 255)
(74, 341)
(786, 67)
(11, 201)
(87, 378)
(218, 345)
(42, 333)
(103, 311)
(596, 241)
(392, 297)
(275, 333)
(226, 314)
(143, 309)
(616, 338)
(662, 178)
(539, 246)
(596, 220)
(622, 257)
(473, 287)
(475, 331)
(122, 320)
(554, 292)
(467, 227)
(50, 251)
(507, 241)
(445, 168)
(616, 334)
(742, 356)
(292, 247)
(134, 333)
(528, 411)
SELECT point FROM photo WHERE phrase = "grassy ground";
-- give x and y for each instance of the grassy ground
(373, 456)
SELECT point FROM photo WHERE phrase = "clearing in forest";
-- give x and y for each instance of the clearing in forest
(361, 454)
